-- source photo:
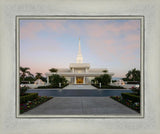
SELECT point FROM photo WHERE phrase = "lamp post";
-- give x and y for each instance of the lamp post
(100, 85)
(59, 84)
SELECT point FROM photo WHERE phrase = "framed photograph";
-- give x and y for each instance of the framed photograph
(79, 67)
(79, 84)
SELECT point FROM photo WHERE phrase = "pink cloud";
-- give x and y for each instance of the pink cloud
(102, 49)
(29, 30)
(56, 26)
(132, 46)
(132, 37)
(92, 29)
(109, 52)
(126, 26)
(45, 45)
(104, 40)
(96, 30)
(77, 30)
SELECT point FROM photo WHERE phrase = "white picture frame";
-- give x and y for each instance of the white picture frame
(10, 124)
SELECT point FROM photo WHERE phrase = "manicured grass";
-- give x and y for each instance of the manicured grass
(129, 103)
(24, 107)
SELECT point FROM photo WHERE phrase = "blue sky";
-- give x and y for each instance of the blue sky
(112, 44)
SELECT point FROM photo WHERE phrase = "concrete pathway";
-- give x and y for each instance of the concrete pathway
(81, 106)
(79, 87)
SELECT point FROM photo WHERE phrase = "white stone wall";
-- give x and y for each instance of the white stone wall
(79, 70)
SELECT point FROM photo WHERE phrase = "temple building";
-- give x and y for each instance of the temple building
(79, 72)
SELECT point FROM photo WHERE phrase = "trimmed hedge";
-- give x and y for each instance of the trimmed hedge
(133, 82)
(130, 96)
(23, 90)
(51, 86)
(136, 91)
(28, 97)
(45, 87)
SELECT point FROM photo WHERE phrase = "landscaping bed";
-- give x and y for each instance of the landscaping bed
(28, 97)
(30, 104)
(128, 102)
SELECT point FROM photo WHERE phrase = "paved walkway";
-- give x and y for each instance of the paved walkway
(79, 87)
(81, 106)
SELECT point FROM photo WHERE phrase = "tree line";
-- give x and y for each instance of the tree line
(27, 76)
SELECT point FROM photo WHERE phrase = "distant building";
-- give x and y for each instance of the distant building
(119, 82)
(79, 72)
(39, 82)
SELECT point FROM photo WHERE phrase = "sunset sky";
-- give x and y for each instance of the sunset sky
(112, 44)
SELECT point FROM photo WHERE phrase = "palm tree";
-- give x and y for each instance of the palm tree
(105, 71)
(104, 79)
(129, 74)
(133, 75)
(24, 71)
(38, 75)
(53, 70)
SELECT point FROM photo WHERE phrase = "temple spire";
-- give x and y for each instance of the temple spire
(79, 55)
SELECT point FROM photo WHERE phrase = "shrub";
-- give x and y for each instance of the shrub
(55, 79)
(113, 87)
(103, 79)
(136, 91)
(129, 103)
(23, 90)
(28, 97)
(52, 86)
(130, 96)
(45, 86)
(133, 82)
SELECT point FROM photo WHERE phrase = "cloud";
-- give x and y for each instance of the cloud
(29, 30)
(116, 42)
(133, 38)
(108, 30)
(55, 26)
(45, 45)
(114, 50)
(95, 29)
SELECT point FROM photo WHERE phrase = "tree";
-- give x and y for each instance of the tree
(38, 75)
(53, 70)
(44, 79)
(29, 79)
(103, 79)
(23, 72)
(105, 71)
(55, 79)
(133, 75)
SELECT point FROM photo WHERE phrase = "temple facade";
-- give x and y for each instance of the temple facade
(79, 72)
